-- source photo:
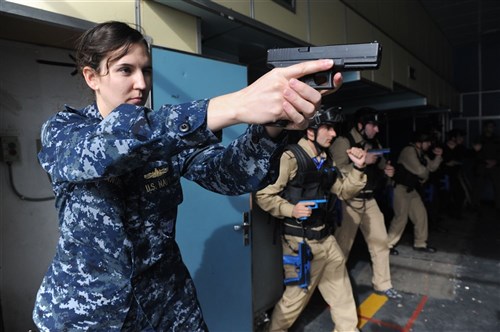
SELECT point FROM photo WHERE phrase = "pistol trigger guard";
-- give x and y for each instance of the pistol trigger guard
(320, 81)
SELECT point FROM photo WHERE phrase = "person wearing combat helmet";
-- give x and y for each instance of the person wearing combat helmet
(412, 171)
(362, 212)
(302, 200)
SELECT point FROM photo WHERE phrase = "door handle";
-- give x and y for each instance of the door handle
(245, 228)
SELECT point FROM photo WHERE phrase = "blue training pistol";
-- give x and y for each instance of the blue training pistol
(315, 206)
(302, 264)
(379, 151)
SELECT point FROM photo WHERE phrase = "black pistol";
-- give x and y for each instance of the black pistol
(347, 57)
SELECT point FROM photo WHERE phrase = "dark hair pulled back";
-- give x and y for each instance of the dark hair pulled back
(97, 43)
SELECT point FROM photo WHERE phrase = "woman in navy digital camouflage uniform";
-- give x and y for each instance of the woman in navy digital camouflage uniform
(115, 168)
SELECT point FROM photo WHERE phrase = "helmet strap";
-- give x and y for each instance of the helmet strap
(362, 131)
(319, 149)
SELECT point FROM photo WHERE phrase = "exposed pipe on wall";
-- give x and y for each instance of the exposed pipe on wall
(252, 9)
(138, 13)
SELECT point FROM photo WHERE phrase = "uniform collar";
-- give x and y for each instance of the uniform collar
(358, 138)
(90, 111)
(305, 145)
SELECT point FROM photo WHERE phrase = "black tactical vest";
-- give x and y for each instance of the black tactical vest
(310, 183)
(374, 175)
(407, 178)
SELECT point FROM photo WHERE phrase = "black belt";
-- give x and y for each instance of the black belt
(365, 195)
(308, 233)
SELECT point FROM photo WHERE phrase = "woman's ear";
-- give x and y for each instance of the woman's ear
(91, 77)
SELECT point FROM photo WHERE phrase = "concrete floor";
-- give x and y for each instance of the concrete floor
(455, 289)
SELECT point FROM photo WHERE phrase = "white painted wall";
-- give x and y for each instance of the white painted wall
(29, 94)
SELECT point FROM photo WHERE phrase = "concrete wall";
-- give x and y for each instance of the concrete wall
(166, 26)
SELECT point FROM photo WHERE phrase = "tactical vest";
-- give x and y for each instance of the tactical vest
(374, 175)
(407, 178)
(310, 183)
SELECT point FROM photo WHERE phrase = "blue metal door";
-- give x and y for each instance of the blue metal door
(212, 247)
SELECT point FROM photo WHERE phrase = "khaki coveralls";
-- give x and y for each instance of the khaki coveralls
(363, 213)
(328, 270)
(408, 203)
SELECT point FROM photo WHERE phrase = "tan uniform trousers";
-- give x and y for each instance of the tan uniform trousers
(366, 215)
(329, 274)
(408, 205)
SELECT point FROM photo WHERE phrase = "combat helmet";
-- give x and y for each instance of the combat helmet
(367, 115)
(332, 116)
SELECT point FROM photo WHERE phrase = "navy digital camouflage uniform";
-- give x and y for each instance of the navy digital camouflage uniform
(117, 185)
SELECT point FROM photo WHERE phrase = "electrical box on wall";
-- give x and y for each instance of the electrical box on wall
(9, 151)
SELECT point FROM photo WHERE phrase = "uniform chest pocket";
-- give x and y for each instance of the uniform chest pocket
(160, 183)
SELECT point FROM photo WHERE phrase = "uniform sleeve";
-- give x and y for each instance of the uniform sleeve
(247, 164)
(349, 186)
(433, 164)
(268, 198)
(78, 148)
(352, 180)
(409, 159)
(338, 151)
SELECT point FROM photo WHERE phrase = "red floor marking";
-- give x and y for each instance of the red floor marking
(416, 313)
(396, 327)
(382, 323)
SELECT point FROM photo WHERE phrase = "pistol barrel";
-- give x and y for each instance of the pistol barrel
(346, 57)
